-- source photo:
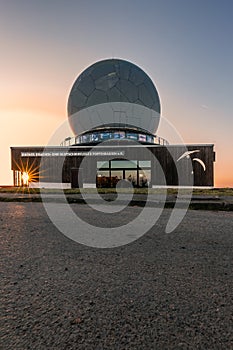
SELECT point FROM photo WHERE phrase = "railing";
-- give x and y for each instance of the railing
(69, 141)
(160, 141)
(79, 140)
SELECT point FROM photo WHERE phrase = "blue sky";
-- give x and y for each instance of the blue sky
(184, 46)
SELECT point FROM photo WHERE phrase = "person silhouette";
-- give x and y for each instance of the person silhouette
(130, 178)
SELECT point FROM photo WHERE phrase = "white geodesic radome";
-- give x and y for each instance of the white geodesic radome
(113, 92)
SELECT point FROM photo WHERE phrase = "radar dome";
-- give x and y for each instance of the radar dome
(108, 87)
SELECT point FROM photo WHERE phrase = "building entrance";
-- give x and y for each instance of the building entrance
(136, 172)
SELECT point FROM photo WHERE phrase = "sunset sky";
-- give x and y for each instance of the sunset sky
(185, 46)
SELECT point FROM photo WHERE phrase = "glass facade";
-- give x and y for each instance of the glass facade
(124, 164)
(136, 172)
(100, 136)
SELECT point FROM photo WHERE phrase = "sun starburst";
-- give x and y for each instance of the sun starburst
(29, 172)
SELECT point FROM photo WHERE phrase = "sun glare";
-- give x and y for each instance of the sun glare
(27, 174)
(25, 178)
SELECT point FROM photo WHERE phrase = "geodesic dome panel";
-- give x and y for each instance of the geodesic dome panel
(112, 81)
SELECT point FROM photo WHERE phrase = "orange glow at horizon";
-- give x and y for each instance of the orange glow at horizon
(22, 128)
(44, 48)
(31, 111)
(30, 127)
(221, 178)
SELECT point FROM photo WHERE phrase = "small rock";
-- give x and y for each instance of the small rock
(76, 321)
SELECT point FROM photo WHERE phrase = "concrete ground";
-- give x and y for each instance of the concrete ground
(163, 291)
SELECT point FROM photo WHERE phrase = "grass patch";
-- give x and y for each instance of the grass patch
(199, 191)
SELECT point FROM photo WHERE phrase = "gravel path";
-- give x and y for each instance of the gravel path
(163, 291)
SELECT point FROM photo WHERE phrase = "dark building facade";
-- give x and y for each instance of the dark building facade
(106, 165)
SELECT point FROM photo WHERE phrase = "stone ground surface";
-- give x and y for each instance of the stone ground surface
(163, 291)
